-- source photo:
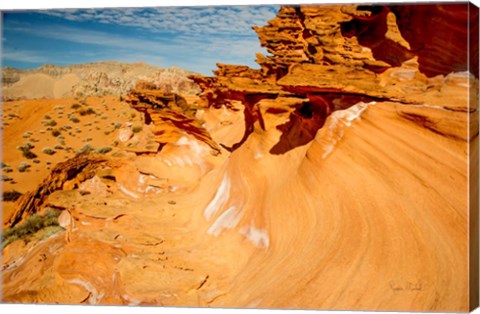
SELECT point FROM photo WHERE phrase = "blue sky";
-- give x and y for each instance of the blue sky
(193, 38)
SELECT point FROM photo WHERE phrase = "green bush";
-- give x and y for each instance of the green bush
(56, 132)
(32, 225)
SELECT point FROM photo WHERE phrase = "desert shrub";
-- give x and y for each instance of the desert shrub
(26, 146)
(7, 169)
(117, 125)
(58, 147)
(76, 106)
(56, 132)
(23, 166)
(85, 112)
(106, 132)
(3, 165)
(137, 128)
(29, 154)
(50, 123)
(25, 149)
(33, 224)
(104, 150)
(36, 161)
(11, 196)
(47, 117)
(27, 134)
(85, 148)
(6, 178)
(48, 151)
(74, 119)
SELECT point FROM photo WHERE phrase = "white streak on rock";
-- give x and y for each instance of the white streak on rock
(258, 237)
(131, 300)
(338, 120)
(127, 191)
(227, 220)
(94, 296)
(220, 198)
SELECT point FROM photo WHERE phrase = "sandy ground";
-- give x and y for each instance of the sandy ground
(34, 121)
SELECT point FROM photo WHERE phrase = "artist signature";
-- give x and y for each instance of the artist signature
(407, 286)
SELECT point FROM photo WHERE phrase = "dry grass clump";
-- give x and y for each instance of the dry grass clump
(35, 223)
(48, 151)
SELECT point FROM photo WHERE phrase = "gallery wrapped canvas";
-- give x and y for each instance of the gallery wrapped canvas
(329, 161)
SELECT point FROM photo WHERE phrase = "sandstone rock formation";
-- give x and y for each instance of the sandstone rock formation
(170, 115)
(91, 79)
(64, 176)
(342, 180)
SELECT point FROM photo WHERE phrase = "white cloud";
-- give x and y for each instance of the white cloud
(234, 20)
(23, 56)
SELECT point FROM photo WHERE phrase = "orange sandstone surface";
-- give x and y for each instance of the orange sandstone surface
(335, 176)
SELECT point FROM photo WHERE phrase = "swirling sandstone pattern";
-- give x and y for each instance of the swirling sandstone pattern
(336, 176)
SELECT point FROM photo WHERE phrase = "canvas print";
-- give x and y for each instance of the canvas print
(284, 157)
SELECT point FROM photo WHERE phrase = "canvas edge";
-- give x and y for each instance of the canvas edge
(473, 163)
